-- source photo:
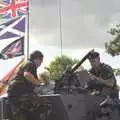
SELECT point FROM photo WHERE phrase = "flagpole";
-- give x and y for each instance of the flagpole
(28, 31)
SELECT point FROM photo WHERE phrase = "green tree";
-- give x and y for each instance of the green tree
(113, 47)
(59, 65)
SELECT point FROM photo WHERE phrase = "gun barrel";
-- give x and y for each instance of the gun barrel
(83, 59)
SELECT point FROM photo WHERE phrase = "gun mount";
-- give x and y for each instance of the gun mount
(71, 80)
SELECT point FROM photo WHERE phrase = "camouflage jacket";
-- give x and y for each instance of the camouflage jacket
(106, 73)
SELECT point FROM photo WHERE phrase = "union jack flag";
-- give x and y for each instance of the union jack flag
(13, 28)
(14, 49)
(13, 8)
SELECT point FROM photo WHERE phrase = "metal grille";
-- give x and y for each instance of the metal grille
(3, 109)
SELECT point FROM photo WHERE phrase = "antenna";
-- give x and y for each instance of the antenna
(27, 37)
(60, 26)
(42, 3)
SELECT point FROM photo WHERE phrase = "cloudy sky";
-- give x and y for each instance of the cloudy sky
(84, 25)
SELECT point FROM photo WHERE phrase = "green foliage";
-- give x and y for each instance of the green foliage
(59, 65)
(117, 72)
(113, 47)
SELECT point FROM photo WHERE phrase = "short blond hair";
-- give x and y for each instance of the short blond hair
(45, 76)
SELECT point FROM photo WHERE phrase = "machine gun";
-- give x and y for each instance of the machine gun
(68, 80)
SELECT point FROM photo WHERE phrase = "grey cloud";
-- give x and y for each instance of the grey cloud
(44, 2)
(84, 23)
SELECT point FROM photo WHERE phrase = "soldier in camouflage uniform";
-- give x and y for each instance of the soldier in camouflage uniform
(20, 92)
(104, 74)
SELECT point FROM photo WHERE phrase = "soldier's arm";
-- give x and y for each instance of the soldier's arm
(109, 80)
(29, 73)
(29, 76)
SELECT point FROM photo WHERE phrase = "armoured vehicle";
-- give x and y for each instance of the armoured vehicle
(73, 99)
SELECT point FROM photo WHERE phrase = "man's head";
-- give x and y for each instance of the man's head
(94, 59)
(44, 77)
(37, 57)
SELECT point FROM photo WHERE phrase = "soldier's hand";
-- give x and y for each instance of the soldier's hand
(37, 82)
(92, 77)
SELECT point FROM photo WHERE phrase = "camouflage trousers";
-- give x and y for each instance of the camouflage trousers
(26, 108)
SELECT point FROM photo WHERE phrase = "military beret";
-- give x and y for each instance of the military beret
(93, 55)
